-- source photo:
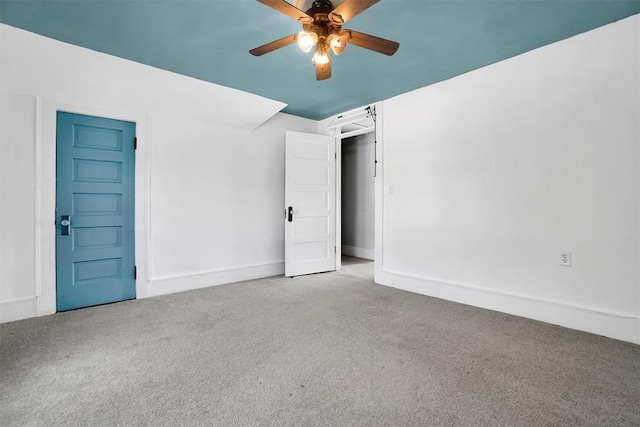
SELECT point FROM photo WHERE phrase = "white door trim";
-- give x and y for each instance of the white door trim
(326, 128)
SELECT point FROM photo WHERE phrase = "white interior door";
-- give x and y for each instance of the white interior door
(310, 204)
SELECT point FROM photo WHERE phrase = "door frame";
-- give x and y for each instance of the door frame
(378, 195)
(45, 195)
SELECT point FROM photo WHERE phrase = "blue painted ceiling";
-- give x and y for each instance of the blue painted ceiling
(210, 40)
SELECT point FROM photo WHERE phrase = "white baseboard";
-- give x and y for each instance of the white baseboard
(358, 252)
(187, 282)
(18, 309)
(25, 308)
(621, 326)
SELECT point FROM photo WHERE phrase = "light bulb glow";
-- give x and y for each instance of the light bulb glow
(306, 40)
(337, 43)
(321, 56)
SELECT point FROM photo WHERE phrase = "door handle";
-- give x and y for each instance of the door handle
(290, 215)
(65, 223)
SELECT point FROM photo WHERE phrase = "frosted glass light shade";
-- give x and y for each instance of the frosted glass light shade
(306, 40)
(337, 43)
(321, 56)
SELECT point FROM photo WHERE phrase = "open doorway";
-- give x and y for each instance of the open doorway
(359, 210)
(357, 158)
(357, 196)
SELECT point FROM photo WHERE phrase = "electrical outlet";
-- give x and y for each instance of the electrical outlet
(565, 259)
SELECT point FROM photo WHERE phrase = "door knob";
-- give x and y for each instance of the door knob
(65, 223)
(290, 216)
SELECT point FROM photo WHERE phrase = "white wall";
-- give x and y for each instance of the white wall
(358, 196)
(497, 171)
(17, 202)
(216, 201)
(209, 186)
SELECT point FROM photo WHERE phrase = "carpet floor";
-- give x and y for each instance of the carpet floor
(325, 349)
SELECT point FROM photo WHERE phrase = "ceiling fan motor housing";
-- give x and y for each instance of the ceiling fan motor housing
(324, 22)
(320, 6)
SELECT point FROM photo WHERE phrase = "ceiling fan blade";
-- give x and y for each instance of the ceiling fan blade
(374, 43)
(323, 71)
(270, 47)
(351, 8)
(288, 9)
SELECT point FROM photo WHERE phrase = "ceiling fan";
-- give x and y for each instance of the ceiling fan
(322, 27)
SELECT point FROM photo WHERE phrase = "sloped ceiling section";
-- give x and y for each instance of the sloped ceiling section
(210, 40)
(35, 65)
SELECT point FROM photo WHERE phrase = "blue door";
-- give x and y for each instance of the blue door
(95, 253)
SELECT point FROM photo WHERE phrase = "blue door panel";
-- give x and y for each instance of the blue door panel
(95, 187)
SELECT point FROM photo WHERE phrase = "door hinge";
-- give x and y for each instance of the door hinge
(135, 143)
(135, 272)
(335, 156)
(335, 250)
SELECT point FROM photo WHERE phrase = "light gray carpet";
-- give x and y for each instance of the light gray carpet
(325, 349)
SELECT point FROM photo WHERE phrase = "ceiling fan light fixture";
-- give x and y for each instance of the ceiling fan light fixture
(306, 40)
(322, 26)
(337, 43)
(321, 56)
